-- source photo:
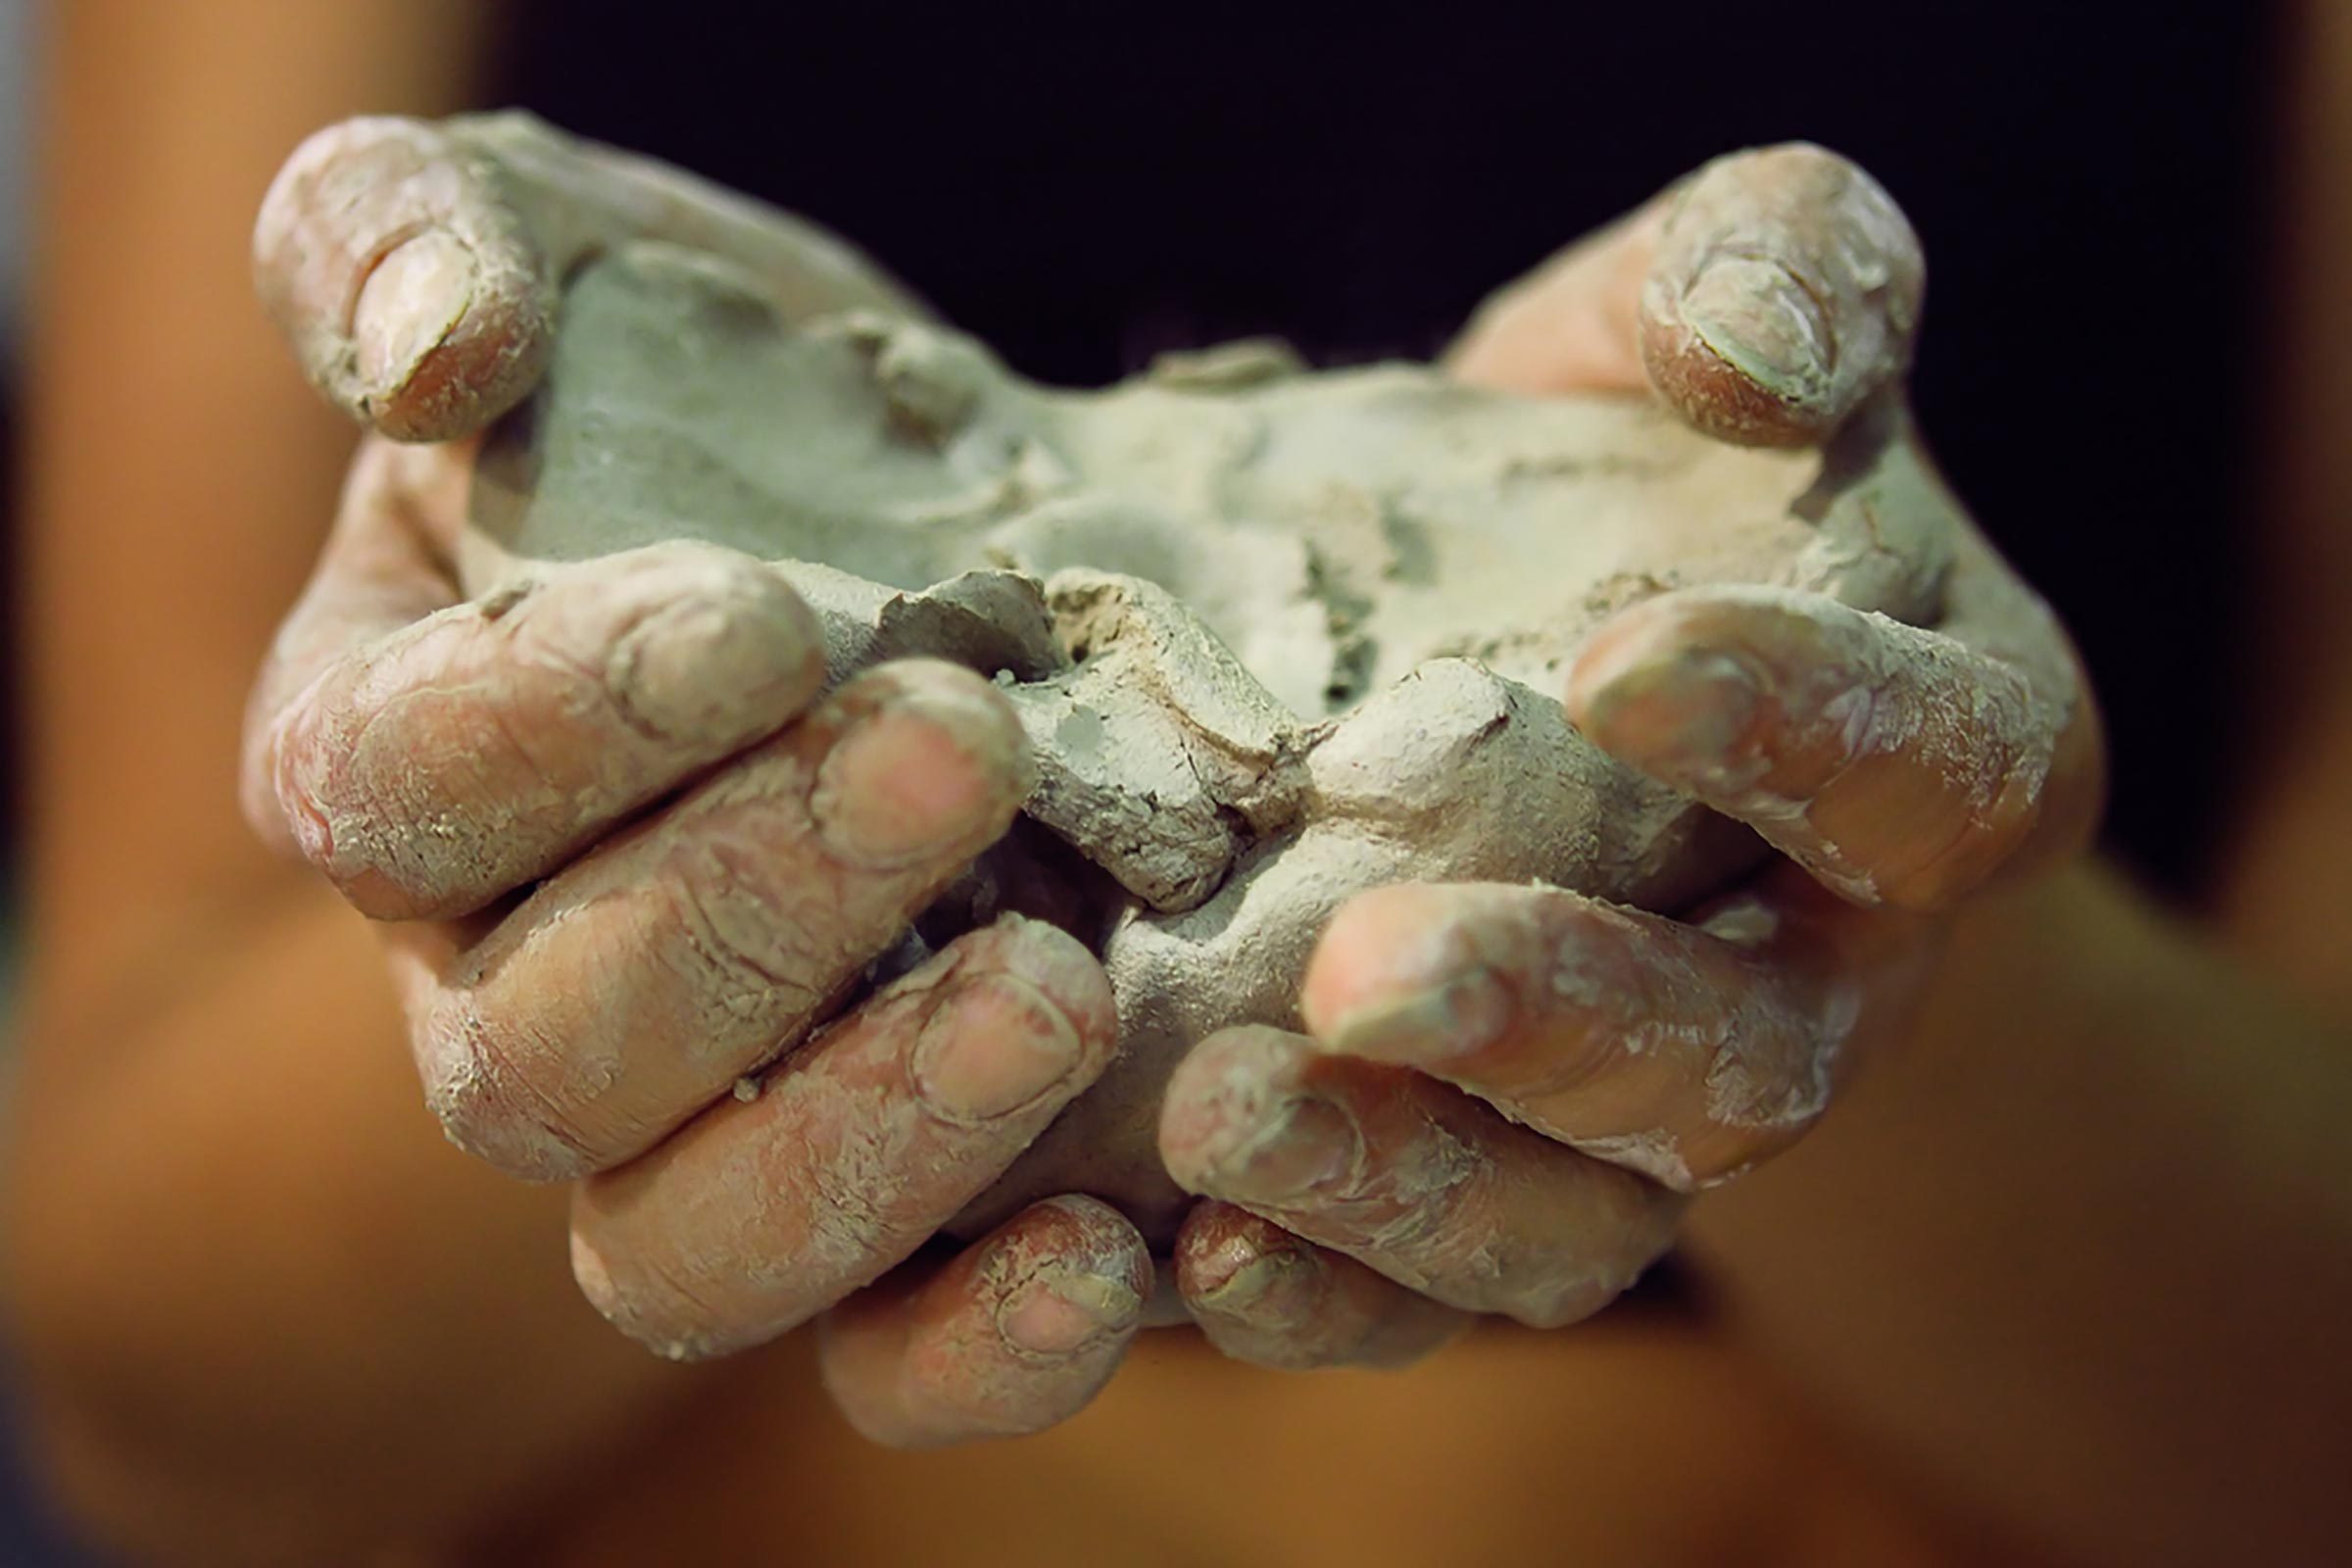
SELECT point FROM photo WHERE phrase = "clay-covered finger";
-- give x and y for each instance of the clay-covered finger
(385, 568)
(472, 751)
(833, 1166)
(1685, 1051)
(1764, 297)
(388, 254)
(1785, 290)
(695, 944)
(1016, 1334)
(1266, 1297)
(1408, 1176)
(1897, 764)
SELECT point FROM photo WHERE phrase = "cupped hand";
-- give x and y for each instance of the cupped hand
(1505, 1095)
(634, 869)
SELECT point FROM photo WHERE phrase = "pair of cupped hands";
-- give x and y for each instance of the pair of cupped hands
(624, 851)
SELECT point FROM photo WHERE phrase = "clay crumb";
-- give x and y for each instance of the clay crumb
(747, 1089)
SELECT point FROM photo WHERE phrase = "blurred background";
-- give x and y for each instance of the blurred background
(25, 1535)
(1085, 186)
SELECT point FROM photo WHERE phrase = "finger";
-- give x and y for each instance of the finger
(416, 267)
(383, 569)
(692, 946)
(1016, 1334)
(431, 770)
(1408, 1176)
(1263, 1295)
(1685, 1051)
(1898, 765)
(837, 1163)
(390, 257)
(1574, 324)
(1764, 297)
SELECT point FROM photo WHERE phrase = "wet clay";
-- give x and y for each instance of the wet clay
(1275, 635)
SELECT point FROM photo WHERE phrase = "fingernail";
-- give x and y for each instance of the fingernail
(733, 657)
(1675, 708)
(410, 301)
(1308, 1145)
(994, 1045)
(1441, 1023)
(1249, 1283)
(1062, 1310)
(924, 775)
(1759, 319)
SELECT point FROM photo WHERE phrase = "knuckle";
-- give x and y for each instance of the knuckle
(751, 934)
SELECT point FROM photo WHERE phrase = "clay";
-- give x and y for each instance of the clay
(1275, 635)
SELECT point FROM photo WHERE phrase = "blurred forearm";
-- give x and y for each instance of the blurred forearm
(2078, 1257)
(258, 1305)
(262, 1305)
(2285, 885)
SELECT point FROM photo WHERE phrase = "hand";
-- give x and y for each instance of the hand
(1506, 1092)
(630, 867)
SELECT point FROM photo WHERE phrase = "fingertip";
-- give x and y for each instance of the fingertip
(410, 293)
(1065, 972)
(1253, 1287)
(1222, 1097)
(447, 339)
(1355, 955)
(1403, 973)
(1897, 764)
(1013, 1336)
(1661, 688)
(1250, 1117)
(1270, 1299)
(1067, 1275)
(1710, 689)
(1786, 291)
(1744, 353)
(1021, 1024)
(932, 762)
(1230, 1261)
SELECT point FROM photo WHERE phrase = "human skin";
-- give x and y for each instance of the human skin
(485, 1380)
(428, 754)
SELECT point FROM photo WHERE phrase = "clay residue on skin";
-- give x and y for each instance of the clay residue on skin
(1433, 1199)
(624, 673)
(761, 1214)
(1304, 628)
(1815, 678)
(1657, 1046)
(1794, 268)
(408, 288)
(682, 954)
